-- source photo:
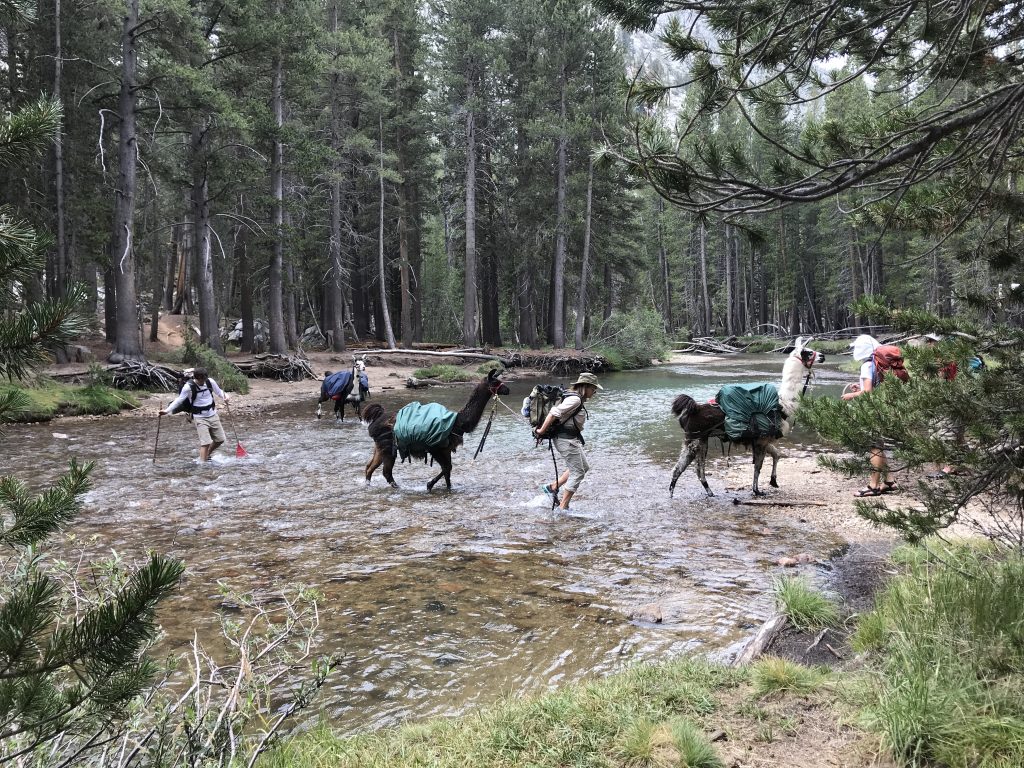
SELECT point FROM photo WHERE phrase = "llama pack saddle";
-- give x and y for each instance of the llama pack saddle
(418, 428)
(751, 411)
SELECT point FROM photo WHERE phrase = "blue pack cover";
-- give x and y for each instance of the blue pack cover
(335, 384)
(751, 410)
(420, 427)
(364, 382)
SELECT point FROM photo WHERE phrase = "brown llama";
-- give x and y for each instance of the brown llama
(386, 446)
(702, 421)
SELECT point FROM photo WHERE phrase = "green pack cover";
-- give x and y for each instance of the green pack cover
(751, 410)
(420, 427)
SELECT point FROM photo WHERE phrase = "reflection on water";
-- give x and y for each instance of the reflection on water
(437, 602)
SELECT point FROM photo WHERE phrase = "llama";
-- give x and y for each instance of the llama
(345, 387)
(700, 422)
(386, 446)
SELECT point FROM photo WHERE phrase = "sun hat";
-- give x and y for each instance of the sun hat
(588, 378)
(863, 347)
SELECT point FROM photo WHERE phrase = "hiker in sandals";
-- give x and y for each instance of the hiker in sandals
(879, 482)
(564, 425)
(196, 399)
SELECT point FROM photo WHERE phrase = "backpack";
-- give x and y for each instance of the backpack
(542, 399)
(186, 406)
(888, 359)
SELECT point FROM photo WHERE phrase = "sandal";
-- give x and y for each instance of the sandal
(889, 486)
(868, 491)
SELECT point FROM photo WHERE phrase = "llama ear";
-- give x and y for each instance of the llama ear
(799, 343)
(492, 374)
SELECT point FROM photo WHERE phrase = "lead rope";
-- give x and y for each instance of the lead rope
(487, 429)
(807, 381)
(551, 447)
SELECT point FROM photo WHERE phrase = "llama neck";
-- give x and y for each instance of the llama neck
(469, 416)
(793, 373)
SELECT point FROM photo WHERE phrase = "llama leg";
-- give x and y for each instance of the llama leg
(702, 458)
(389, 468)
(759, 451)
(774, 453)
(445, 460)
(686, 455)
(374, 462)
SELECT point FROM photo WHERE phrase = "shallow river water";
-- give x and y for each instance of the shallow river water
(440, 602)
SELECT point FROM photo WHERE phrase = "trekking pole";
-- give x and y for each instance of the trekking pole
(156, 442)
(240, 452)
(554, 496)
(487, 429)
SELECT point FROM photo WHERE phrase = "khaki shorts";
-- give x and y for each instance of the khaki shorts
(572, 452)
(209, 429)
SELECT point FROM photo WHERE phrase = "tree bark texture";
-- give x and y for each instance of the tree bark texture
(209, 323)
(561, 225)
(128, 344)
(581, 301)
(469, 307)
(278, 342)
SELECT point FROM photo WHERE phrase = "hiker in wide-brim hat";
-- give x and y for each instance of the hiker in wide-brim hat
(564, 424)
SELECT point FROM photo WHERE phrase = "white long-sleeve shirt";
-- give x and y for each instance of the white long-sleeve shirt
(203, 404)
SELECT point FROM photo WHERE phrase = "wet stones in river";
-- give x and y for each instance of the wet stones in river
(448, 660)
(650, 613)
(436, 606)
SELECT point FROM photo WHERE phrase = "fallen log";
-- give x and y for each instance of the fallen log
(431, 353)
(764, 637)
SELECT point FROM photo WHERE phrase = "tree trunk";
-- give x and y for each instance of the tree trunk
(171, 269)
(209, 324)
(561, 225)
(609, 292)
(157, 276)
(730, 298)
(705, 287)
(469, 308)
(63, 266)
(381, 272)
(241, 251)
(128, 345)
(278, 342)
(581, 301)
(666, 284)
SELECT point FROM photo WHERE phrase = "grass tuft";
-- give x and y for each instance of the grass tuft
(449, 373)
(805, 606)
(774, 675)
(46, 399)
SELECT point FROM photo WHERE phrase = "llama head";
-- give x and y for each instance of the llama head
(359, 365)
(494, 384)
(807, 357)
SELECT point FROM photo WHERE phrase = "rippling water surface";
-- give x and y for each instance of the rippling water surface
(438, 602)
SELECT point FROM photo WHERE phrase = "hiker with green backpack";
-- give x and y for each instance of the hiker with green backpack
(563, 425)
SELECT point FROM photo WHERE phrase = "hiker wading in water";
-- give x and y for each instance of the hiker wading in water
(196, 399)
(564, 425)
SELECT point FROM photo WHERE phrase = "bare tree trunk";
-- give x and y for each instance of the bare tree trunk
(666, 283)
(609, 292)
(561, 225)
(241, 250)
(581, 302)
(705, 289)
(730, 298)
(209, 325)
(469, 309)
(336, 329)
(278, 342)
(381, 272)
(171, 269)
(128, 345)
(63, 266)
(157, 276)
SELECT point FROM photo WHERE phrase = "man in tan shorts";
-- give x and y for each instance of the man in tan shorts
(564, 424)
(196, 399)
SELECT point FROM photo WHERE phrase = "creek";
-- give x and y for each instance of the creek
(441, 602)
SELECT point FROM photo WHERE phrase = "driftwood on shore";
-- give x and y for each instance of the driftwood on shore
(558, 363)
(709, 345)
(139, 374)
(764, 637)
(280, 367)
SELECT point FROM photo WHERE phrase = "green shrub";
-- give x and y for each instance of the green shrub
(805, 606)
(443, 373)
(636, 337)
(220, 369)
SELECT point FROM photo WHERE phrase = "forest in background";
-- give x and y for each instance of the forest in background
(329, 172)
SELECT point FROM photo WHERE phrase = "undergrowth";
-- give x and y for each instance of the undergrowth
(45, 399)
(443, 373)
(646, 716)
(193, 354)
(947, 646)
